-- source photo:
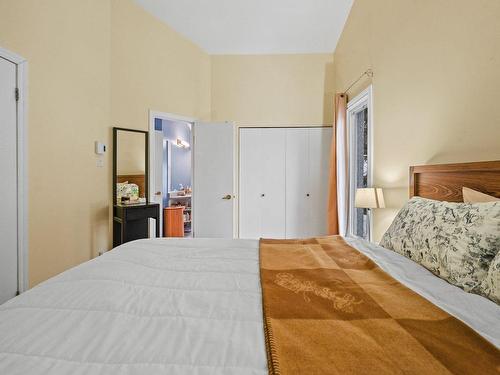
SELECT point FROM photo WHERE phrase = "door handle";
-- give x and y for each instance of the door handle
(263, 195)
(158, 193)
(227, 197)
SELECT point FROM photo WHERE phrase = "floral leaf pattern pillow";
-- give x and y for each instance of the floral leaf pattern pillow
(455, 241)
(490, 287)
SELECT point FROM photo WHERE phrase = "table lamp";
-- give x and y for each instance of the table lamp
(369, 198)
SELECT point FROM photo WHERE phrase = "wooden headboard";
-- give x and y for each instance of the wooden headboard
(138, 179)
(444, 182)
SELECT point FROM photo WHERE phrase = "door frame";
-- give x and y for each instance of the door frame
(22, 167)
(152, 152)
(363, 98)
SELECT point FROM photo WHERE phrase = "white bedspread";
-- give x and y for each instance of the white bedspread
(148, 307)
(176, 307)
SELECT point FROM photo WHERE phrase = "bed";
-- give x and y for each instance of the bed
(190, 306)
(156, 306)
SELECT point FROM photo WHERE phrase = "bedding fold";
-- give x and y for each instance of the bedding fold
(329, 309)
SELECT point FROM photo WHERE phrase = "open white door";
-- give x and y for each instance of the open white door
(213, 180)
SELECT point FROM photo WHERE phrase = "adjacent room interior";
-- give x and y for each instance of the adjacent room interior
(176, 175)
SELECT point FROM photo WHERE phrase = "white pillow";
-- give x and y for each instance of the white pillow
(474, 196)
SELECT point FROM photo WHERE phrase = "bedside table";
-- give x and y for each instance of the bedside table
(131, 221)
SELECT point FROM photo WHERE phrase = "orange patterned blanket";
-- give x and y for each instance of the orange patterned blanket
(328, 309)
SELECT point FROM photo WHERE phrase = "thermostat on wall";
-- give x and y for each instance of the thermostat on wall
(100, 148)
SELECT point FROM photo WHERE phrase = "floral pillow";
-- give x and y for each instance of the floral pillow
(455, 241)
(490, 287)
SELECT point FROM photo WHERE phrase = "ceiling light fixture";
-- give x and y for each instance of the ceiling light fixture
(180, 143)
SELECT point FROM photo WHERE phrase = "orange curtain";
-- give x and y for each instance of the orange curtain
(340, 118)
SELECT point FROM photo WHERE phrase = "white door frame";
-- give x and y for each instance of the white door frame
(362, 99)
(22, 168)
(152, 151)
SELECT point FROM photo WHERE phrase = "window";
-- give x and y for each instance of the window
(359, 127)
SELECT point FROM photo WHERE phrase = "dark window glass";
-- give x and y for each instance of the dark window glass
(361, 154)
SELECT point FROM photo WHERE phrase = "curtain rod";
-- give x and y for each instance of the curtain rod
(368, 73)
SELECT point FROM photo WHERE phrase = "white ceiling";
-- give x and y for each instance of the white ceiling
(255, 26)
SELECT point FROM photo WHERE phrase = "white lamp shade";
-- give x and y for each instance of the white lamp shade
(380, 198)
(369, 198)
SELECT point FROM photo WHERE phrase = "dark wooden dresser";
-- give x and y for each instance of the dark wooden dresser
(131, 222)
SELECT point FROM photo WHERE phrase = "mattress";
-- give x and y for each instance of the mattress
(176, 306)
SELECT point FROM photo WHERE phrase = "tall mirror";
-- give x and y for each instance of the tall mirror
(130, 166)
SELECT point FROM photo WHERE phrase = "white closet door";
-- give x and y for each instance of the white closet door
(250, 183)
(319, 154)
(213, 180)
(8, 171)
(273, 155)
(297, 183)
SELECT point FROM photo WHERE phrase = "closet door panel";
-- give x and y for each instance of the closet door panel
(250, 183)
(273, 149)
(319, 155)
(297, 176)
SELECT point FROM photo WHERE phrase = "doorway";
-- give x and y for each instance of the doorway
(173, 173)
(201, 195)
(13, 216)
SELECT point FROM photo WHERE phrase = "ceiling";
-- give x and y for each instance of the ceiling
(255, 26)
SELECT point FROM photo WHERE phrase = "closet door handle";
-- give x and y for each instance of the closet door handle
(227, 197)
(263, 195)
(307, 194)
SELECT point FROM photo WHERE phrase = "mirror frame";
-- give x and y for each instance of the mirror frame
(115, 169)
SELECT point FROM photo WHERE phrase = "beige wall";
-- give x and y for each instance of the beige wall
(154, 68)
(273, 89)
(436, 85)
(93, 64)
(66, 44)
